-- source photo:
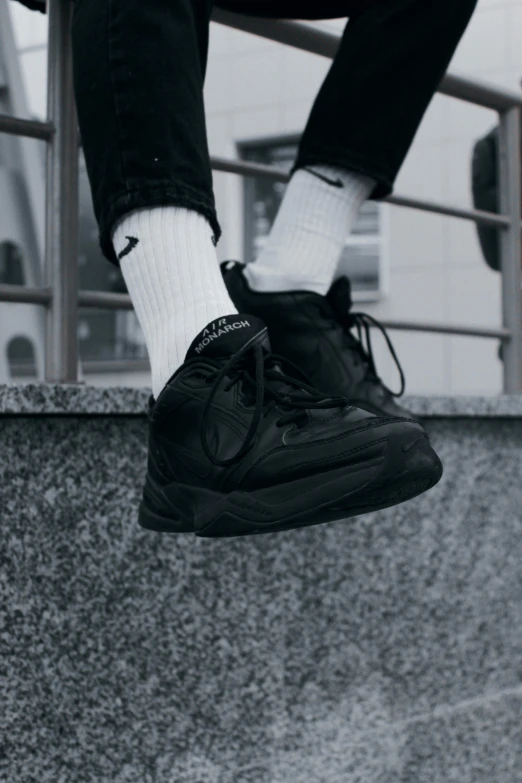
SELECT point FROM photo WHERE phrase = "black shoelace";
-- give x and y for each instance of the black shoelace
(266, 370)
(363, 323)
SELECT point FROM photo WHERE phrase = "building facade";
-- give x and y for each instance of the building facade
(404, 264)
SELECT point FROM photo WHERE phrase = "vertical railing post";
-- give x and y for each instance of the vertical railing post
(61, 250)
(510, 176)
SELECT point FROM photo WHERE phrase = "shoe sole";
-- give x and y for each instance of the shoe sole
(408, 468)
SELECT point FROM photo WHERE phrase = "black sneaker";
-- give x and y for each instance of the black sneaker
(238, 447)
(315, 332)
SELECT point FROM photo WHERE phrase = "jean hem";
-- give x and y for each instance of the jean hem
(148, 196)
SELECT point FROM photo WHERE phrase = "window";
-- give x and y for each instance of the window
(21, 357)
(363, 257)
(20, 350)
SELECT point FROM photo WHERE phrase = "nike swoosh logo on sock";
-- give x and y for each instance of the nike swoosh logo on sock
(335, 182)
(132, 244)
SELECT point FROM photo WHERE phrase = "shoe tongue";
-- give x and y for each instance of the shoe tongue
(223, 337)
(340, 295)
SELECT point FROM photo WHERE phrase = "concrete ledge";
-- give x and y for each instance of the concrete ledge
(82, 399)
(72, 399)
(382, 649)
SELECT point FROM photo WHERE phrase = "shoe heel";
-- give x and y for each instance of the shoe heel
(151, 520)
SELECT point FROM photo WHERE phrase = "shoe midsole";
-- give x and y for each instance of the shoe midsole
(189, 506)
(193, 506)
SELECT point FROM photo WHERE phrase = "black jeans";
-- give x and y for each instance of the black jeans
(139, 68)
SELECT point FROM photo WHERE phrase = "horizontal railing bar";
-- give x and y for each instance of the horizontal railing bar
(105, 300)
(479, 92)
(296, 34)
(247, 168)
(111, 301)
(439, 328)
(25, 294)
(34, 129)
(90, 366)
(115, 365)
(475, 215)
(315, 41)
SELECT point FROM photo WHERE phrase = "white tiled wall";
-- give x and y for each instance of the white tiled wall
(255, 89)
(483, 47)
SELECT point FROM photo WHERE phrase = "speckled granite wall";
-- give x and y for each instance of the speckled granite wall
(383, 650)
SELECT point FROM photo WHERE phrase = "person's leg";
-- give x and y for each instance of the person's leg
(138, 79)
(305, 243)
(392, 56)
(219, 462)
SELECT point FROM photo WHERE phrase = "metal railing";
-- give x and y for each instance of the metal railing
(61, 296)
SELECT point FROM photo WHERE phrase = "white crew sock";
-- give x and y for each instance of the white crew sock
(174, 281)
(307, 238)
